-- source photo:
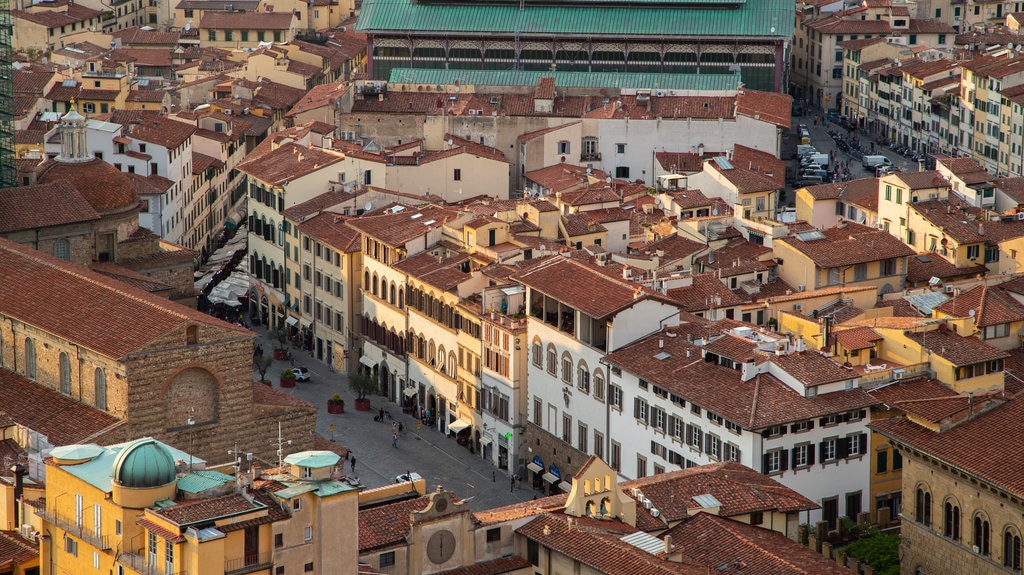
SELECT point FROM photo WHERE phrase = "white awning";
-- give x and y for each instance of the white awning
(551, 478)
(305, 322)
(485, 441)
(458, 425)
(367, 362)
(292, 321)
(534, 467)
(409, 391)
(670, 177)
(565, 486)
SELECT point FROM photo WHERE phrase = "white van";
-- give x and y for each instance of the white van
(872, 162)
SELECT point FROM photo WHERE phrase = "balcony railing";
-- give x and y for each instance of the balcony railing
(72, 527)
(138, 563)
(590, 157)
(248, 563)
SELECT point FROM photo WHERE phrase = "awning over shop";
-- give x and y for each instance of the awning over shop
(671, 177)
(367, 362)
(292, 321)
(534, 467)
(305, 322)
(485, 441)
(550, 478)
(409, 391)
(565, 486)
(459, 425)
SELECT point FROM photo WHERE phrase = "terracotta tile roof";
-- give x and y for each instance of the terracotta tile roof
(716, 542)
(857, 338)
(526, 137)
(266, 399)
(964, 223)
(926, 399)
(738, 257)
(745, 181)
(16, 549)
(965, 168)
(332, 230)
(161, 531)
(758, 403)
(32, 80)
(701, 294)
(957, 349)
(562, 177)
(545, 89)
(136, 35)
(522, 509)
(924, 266)
(761, 162)
(992, 458)
(387, 525)
(672, 249)
(289, 162)
(741, 490)
(317, 204)
(145, 96)
(443, 273)
(95, 301)
(202, 162)
(157, 57)
(990, 304)
(498, 566)
(920, 180)
(849, 245)
(680, 162)
(768, 106)
(848, 191)
(186, 513)
(319, 96)
(579, 224)
(811, 368)
(395, 229)
(153, 127)
(860, 44)
(132, 278)
(49, 412)
(691, 199)
(1011, 186)
(43, 205)
(595, 291)
(246, 20)
(72, 14)
(598, 545)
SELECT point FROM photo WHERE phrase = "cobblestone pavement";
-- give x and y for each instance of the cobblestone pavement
(426, 451)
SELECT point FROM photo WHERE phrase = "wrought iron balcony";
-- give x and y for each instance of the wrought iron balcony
(248, 563)
(72, 527)
(137, 562)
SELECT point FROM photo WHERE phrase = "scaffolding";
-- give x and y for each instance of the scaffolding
(8, 175)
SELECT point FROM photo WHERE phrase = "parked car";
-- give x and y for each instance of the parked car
(407, 477)
(301, 373)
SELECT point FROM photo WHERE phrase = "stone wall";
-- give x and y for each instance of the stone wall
(553, 451)
(926, 548)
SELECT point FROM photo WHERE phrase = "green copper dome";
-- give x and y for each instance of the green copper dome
(144, 463)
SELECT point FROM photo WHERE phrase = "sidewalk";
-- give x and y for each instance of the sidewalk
(440, 460)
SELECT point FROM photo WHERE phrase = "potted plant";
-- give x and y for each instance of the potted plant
(288, 378)
(362, 385)
(262, 364)
(335, 404)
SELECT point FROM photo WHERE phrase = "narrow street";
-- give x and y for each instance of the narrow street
(440, 460)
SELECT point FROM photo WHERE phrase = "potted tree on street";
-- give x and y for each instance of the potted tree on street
(362, 385)
(288, 378)
(280, 339)
(262, 363)
(335, 405)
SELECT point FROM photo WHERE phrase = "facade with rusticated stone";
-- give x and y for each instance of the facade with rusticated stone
(165, 370)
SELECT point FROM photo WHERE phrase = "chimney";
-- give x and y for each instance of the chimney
(661, 343)
(668, 544)
(547, 530)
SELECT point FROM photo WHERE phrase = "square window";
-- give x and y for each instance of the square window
(494, 534)
(279, 540)
(308, 567)
(387, 559)
(296, 504)
(308, 535)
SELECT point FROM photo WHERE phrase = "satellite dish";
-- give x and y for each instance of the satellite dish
(608, 180)
(772, 30)
(450, 141)
(368, 206)
(972, 313)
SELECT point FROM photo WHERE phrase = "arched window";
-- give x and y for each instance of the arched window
(30, 358)
(401, 298)
(452, 364)
(391, 297)
(439, 363)
(375, 285)
(583, 377)
(951, 520)
(62, 250)
(366, 280)
(982, 534)
(65, 374)
(100, 384)
(923, 507)
(1011, 549)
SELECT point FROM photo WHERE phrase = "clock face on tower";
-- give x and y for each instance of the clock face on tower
(440, 546)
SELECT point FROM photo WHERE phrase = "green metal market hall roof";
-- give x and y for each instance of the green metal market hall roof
(635, 80)
(759, 18)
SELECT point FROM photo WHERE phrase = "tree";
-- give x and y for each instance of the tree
(262, 364)
(362, 385)
(280, 337)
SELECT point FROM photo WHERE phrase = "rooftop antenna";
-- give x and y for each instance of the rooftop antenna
(238, 459)
(280, 447)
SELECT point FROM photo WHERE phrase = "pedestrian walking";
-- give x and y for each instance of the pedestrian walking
(353, 464)
(381, 414)
(401, 429)
(394, 440)
(394, 427)
(512, 484)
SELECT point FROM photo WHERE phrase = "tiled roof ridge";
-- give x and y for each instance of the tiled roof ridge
(95, 280)
(755, 547)
(753, 404)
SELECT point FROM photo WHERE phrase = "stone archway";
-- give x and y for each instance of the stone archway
(193, 392)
